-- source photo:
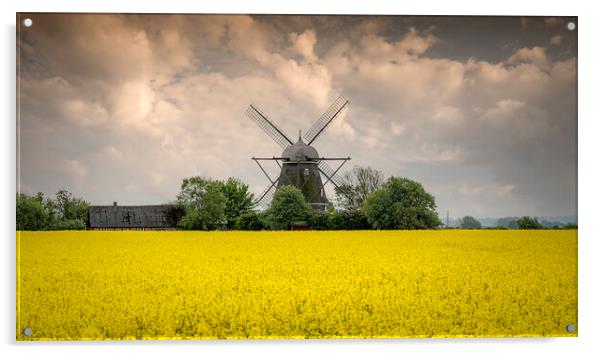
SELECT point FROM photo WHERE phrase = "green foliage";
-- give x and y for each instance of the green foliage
(347, 220)
(204, 204)
(468, 222)
(507, 222)
(401, 204)
(318, 220)
(571, 226)
(251, 220)
(238, 200)
(31, 212)
(357, 185)
(63, 213)
(287, 207)
(527, 223)
(70, 208)
(69, 224)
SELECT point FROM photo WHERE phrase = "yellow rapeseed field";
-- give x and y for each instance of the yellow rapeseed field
(315, 284)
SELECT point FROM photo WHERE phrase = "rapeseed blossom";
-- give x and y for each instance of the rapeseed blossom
(74, 285)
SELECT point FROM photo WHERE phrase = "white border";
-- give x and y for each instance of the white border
(590, 177)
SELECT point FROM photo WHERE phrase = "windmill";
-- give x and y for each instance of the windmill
(300, 164)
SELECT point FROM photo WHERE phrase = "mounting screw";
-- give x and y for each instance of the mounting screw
(27, 22)
(570, 328)
(571, 26)
(27, 331)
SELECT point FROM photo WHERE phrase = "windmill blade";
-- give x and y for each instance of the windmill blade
(331, 113)
(266, 197)
(331, 176)
(268, 126)
(330, 173)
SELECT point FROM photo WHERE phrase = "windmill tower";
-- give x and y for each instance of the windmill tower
(300, 164)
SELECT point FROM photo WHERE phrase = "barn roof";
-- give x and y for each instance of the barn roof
(131, 216)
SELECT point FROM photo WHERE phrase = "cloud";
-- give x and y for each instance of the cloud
(304, 44)
(556, 40)
(535, 55)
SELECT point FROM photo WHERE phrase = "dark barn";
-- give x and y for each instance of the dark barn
(140, 217)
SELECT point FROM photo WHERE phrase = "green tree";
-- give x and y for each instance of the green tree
(238, 200)
(508, 222)
(571, 226)
(70, 208)
(468, 222)
(204, 204)
(31, 212)
(356, 186)
(39, 213)
(251, 220)
(288, 207)
(401, 204)
(527, 222)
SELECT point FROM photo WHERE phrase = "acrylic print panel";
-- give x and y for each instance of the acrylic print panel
(234, 176)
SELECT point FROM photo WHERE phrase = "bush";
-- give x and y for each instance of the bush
(73, 224)
(318, 220)
(528, 223)
(507, 222)
(250, 220)
(468, 222)
(347, 220)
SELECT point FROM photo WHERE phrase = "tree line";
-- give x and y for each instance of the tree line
(63, 212)
(363, 200)
(523, 223)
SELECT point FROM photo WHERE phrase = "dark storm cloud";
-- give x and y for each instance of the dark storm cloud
(481, 110)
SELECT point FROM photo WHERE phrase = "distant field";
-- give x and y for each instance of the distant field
(179, 285)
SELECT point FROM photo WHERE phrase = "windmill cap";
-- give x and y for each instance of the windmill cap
(300, 151)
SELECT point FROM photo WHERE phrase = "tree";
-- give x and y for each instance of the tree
(527, 222)
(238, 200)
(508, 222)
(31, 212)
(70, 208)
(401, 204)
(288, 206)
(357, 185)
(63, 213)
(204, 204)
(571, 226)
(251, 220)
(468, 222)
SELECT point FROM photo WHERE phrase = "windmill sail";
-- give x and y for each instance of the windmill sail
(266, 197)
(330, 173)
(268, 126)
(333, 111)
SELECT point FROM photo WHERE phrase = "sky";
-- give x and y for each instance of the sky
(481, 110)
